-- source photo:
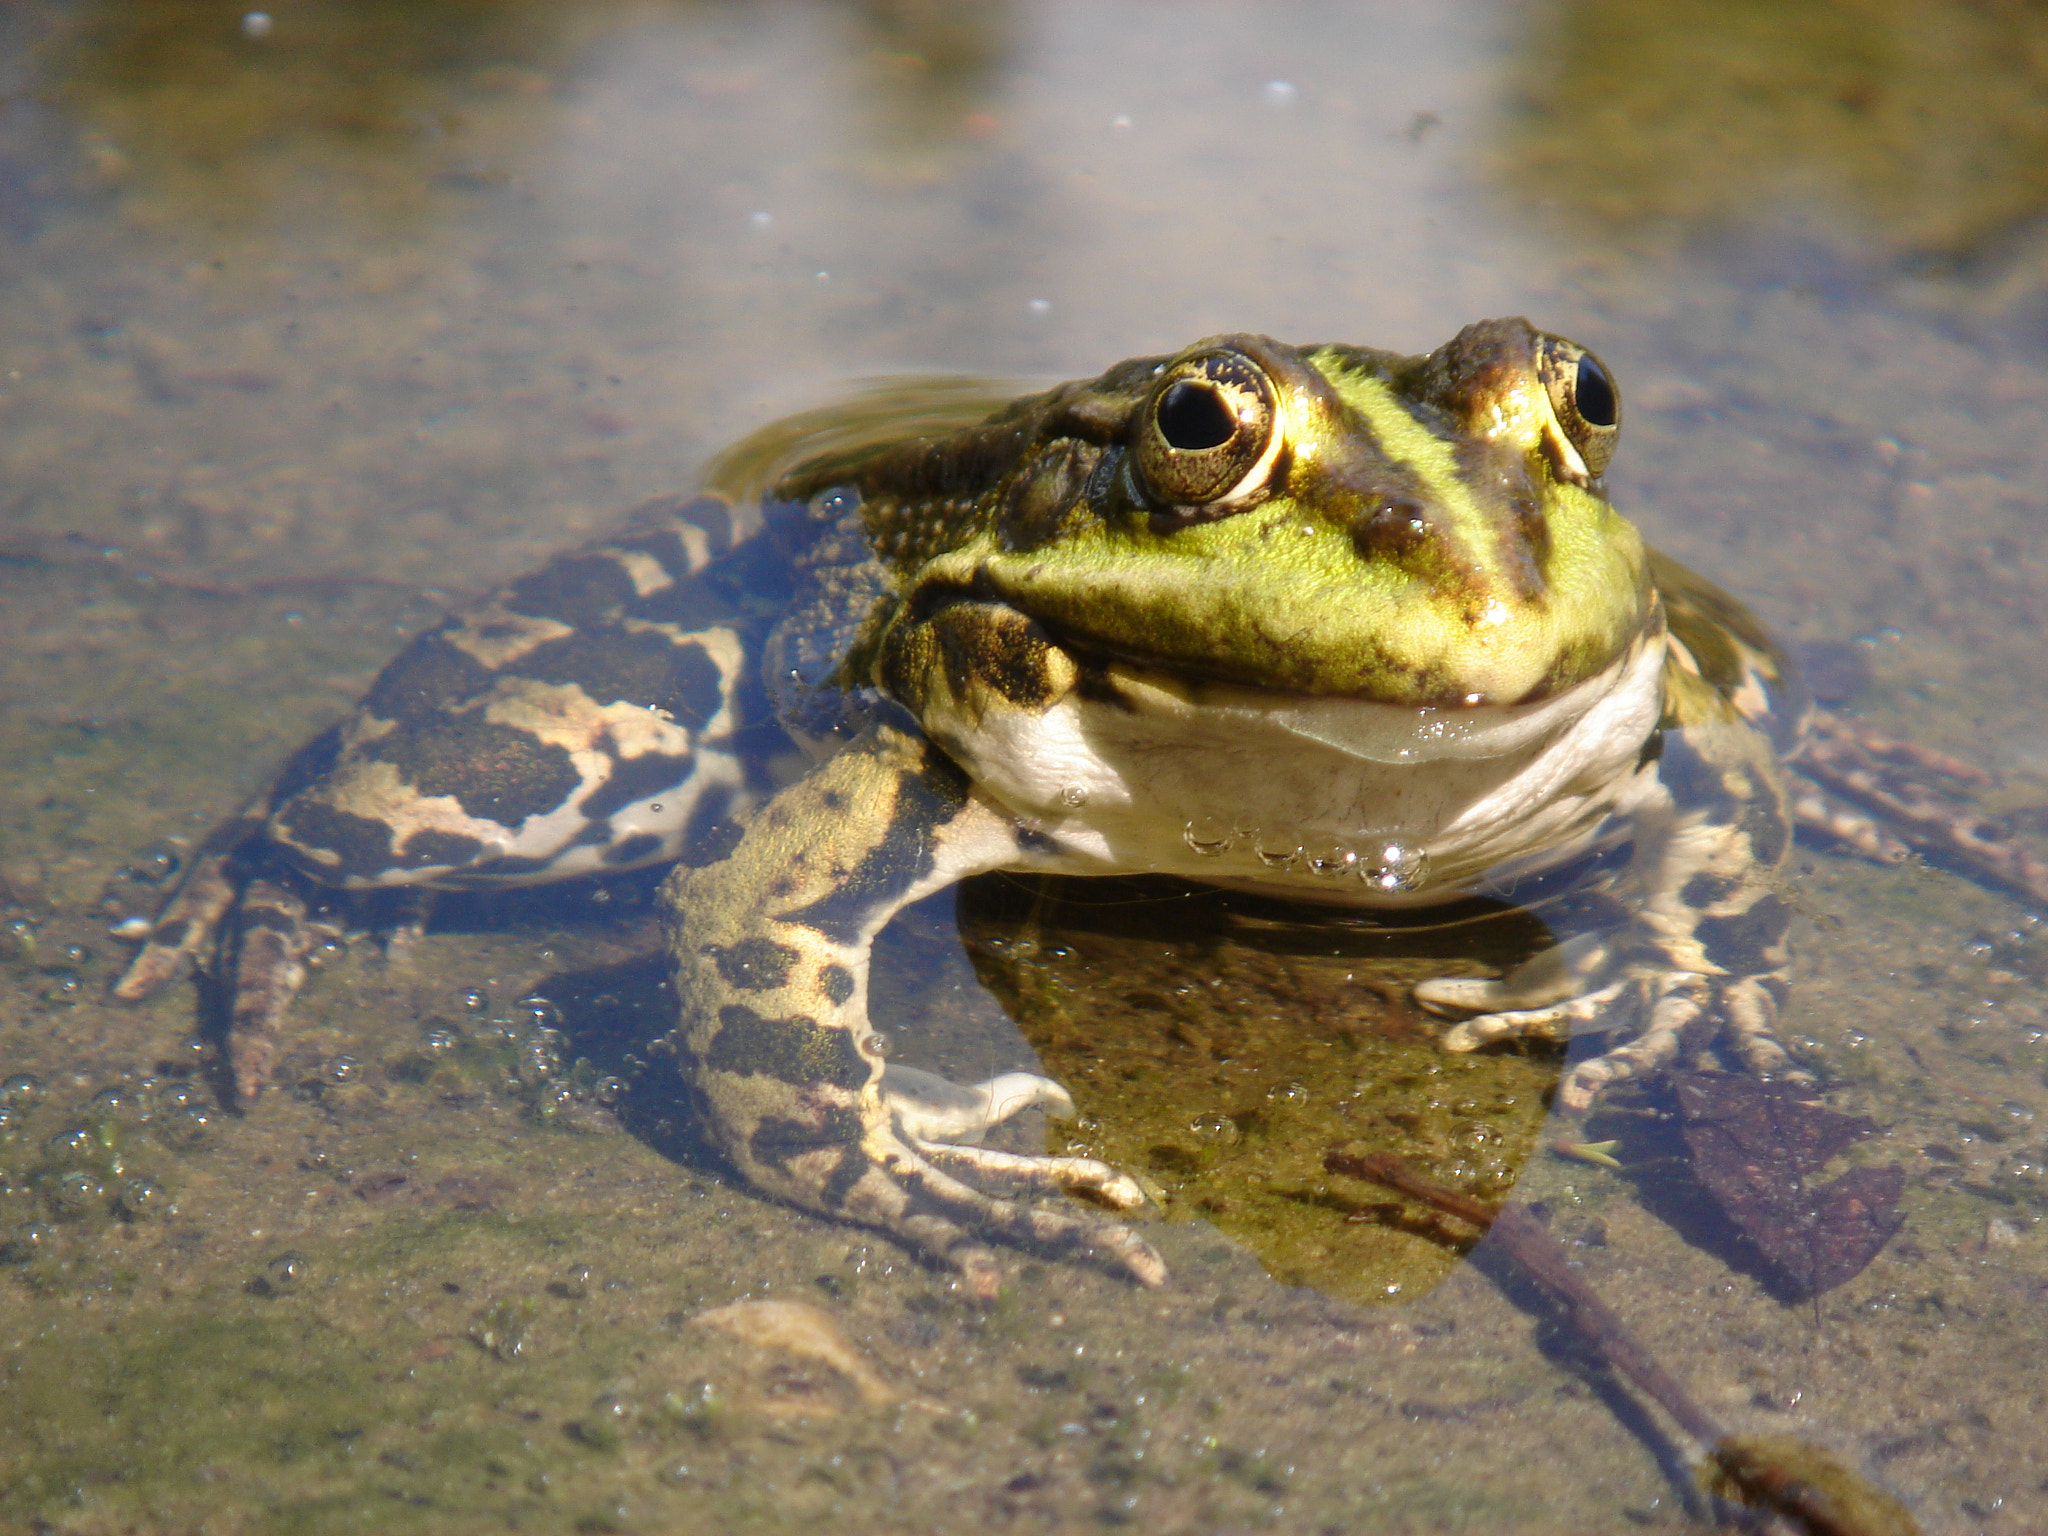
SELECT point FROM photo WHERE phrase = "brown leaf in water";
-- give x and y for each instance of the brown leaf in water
(1753, 1145)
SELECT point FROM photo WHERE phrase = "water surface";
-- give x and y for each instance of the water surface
(314, 320)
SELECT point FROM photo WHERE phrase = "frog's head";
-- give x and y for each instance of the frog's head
(1328, 519)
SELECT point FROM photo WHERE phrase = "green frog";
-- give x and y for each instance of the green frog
(1329, 623)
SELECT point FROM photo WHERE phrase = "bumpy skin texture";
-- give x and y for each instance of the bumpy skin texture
(1326, 622)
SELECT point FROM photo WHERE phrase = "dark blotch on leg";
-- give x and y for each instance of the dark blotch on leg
(636, 778)
(900, 857)
(577, 589)
(776, 1140)
(493, 772)
(427, 678)
(1703, 891)
(1737, 943)
(796, 1050)
(362, 846)
(438, 848)
(754, 965)
(615, 665)
(836, 982)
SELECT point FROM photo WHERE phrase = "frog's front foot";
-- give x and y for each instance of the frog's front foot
(946, 1122)
(929, 1151)
(1676, 1014)
(913, 1170)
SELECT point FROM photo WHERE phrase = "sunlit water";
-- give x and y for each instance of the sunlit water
(318, 318)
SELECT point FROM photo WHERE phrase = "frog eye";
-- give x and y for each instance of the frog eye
(1585, 404)
(1209, 435)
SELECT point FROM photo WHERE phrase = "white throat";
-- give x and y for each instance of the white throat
(1336, 799)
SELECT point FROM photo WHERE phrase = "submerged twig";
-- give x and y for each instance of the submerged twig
(1789, 1477)
(1888, 776)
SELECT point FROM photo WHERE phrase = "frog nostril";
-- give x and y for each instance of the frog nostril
(1392, 526)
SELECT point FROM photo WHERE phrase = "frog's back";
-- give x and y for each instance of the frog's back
(608, 711)
(586, 718)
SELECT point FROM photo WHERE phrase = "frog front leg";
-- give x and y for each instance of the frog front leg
(1702, 958)
(771, 945)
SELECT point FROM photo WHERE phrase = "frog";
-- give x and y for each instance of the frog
(1338, 625)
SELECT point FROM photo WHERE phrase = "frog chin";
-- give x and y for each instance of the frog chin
(1347, 799)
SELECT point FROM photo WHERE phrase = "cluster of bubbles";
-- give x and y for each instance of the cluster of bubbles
(81, 1167)
(54, 970)
(1383, 861)
(520, 1053)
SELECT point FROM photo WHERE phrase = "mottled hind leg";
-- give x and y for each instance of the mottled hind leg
(188, 927)
(272, 941)
(772, 944)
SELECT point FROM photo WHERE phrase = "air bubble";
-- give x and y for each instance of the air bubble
(608, 1090)
(74, 1196)
(286, 1270)
(876, 1043)
(177, 1096)
(1075, 795)
(474, 1000)
(342, 1069)
(1276, 852)
(612, 1408)
(1207, 835)
(72, 1141)
(1216, 1128)
(24, 1090)
(158, 865)
(440, 1042)
(1334, 860)
(76, 954)
(116, 1104)
(143, 1198)
(1391, 865)
(553, 1098)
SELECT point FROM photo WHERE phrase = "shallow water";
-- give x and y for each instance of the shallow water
(311, 325)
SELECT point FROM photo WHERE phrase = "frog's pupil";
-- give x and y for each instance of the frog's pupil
(1594, 395)
(1193, 417)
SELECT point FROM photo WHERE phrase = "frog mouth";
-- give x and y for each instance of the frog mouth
(1401, 735)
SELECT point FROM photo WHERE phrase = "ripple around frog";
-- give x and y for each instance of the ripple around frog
(1219, 1059)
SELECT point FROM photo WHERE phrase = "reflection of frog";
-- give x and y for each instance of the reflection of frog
(1325, 622)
